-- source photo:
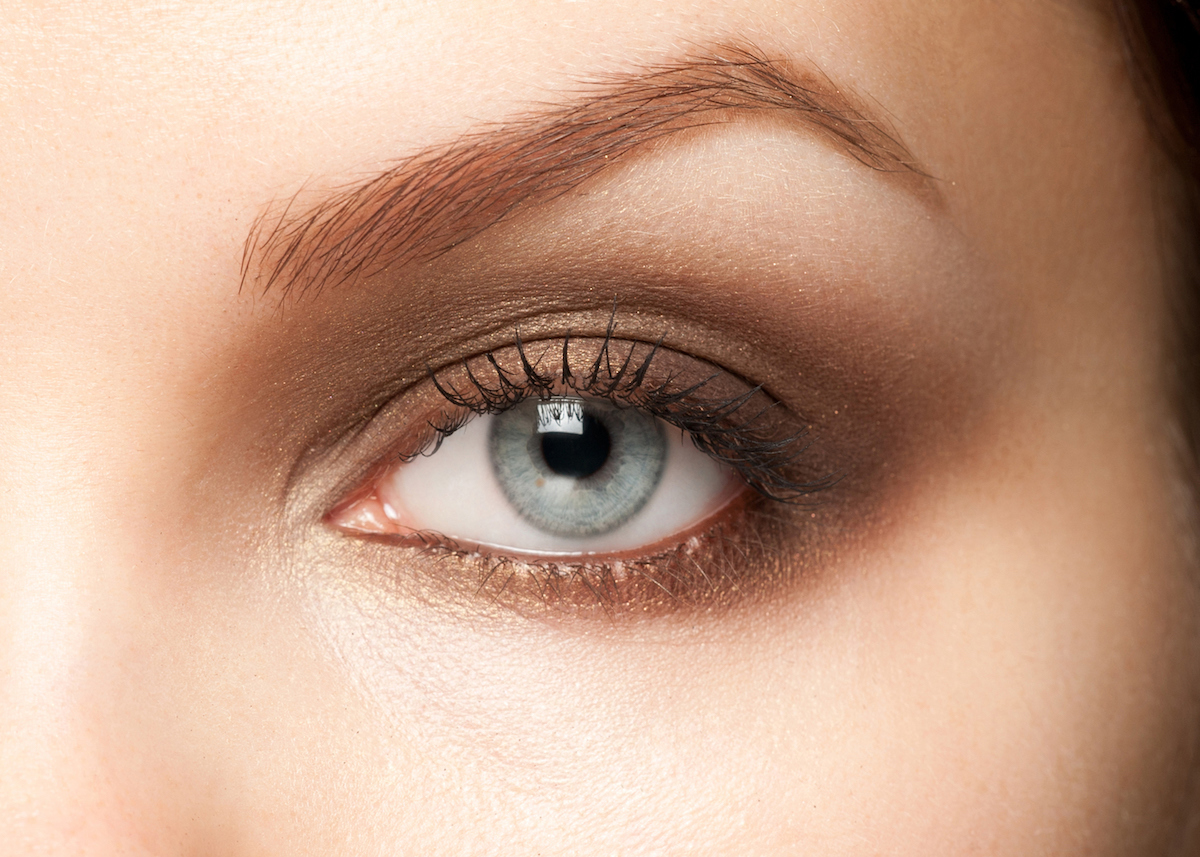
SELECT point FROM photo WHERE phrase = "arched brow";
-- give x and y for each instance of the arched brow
(436, 199)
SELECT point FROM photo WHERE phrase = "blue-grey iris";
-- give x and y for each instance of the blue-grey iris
(577, 467)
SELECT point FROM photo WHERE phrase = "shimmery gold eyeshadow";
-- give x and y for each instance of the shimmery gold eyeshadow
(745, 552)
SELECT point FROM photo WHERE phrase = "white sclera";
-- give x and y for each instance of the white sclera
(454, 492)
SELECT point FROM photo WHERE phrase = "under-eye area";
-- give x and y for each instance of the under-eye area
(594, 474)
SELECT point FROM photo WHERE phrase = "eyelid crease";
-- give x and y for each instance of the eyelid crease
(438, 198)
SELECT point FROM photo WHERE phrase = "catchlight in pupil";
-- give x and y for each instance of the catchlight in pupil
(577, 455)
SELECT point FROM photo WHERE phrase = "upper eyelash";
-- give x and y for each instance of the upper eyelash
(718, 426)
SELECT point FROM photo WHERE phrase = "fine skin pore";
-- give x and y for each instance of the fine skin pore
(982, 639)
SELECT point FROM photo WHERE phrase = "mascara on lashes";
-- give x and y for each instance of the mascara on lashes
(740, 428)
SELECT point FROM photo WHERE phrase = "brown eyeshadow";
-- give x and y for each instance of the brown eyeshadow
(868, 392)
(883, 368)
(754, 549)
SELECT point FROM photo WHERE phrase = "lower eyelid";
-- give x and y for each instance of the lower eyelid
(737, 556)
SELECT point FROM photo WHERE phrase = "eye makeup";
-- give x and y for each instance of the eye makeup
(838, 331)
(756, 442)
(807, 485)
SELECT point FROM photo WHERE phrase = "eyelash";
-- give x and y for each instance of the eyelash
(716, 424)
(749, 550)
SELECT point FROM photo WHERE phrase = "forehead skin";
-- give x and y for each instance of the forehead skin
(1005, 669)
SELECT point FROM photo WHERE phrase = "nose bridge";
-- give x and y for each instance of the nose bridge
(66, 782)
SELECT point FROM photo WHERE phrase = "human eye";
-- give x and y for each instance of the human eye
(595, 472)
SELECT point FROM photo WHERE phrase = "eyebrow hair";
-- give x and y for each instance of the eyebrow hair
(432, 201)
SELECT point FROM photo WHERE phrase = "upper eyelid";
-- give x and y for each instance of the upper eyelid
(716, 423)
(445, 195)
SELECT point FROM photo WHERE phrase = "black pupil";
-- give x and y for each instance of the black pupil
(577, 455)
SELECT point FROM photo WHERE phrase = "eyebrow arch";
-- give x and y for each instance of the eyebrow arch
(434, 200)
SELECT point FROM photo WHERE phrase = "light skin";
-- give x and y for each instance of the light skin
(982, 638)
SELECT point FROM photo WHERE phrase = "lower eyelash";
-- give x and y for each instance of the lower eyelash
(733, 560)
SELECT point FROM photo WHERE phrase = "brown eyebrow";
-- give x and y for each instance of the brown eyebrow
(436, 199)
